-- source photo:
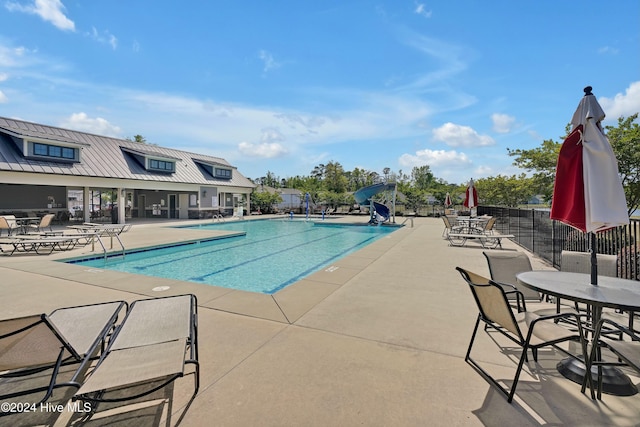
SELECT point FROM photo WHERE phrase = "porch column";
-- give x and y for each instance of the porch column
(86, 204)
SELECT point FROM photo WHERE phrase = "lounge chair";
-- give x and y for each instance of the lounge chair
(8, 222)
(151, 347)
(45, 222)
(40, 244)
(526, 329)
(449, 226)
(488, 226)
(37, 343)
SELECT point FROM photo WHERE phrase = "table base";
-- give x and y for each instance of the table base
(614, 381)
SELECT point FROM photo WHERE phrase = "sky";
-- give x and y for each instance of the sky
(282, 86)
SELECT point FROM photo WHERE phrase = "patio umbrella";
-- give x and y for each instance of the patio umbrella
(447, 201)
(588, 193)
(471, 196)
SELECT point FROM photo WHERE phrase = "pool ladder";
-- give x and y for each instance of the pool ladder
(217, 217)
(409, 218)
(96, 236)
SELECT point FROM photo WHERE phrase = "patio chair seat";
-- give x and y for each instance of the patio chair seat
(136, 365)
(154, 343)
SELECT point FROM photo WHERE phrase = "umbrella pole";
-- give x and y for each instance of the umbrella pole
(594, 260)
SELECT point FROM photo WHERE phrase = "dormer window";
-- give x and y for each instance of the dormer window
(161, 165)
(153, 162)
(215, 170)
(223, 173)
(47, 150)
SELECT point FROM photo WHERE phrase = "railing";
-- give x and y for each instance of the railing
(547, 238)
(409, 218)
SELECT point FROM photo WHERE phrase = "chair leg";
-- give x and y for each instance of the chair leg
(473, 337)
(517, 376)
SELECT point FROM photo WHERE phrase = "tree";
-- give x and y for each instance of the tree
(318, 172)
(542, 162)
(414, 199)
(270, 179)
(264, 200)
(334, 178)
(138, 138)
(625, 141)
(505, 191)
(422, 177)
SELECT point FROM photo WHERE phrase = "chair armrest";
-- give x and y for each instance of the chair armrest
(519, 295)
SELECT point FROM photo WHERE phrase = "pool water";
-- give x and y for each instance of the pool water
(271, 255)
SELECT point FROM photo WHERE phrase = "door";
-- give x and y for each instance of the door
(142, 203)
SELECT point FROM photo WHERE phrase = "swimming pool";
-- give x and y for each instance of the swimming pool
(270, 256)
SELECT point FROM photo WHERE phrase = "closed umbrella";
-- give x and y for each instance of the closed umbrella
(471, 196)
(447, 201)
(588, 193)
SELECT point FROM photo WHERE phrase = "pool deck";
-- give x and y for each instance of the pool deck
(377, 339)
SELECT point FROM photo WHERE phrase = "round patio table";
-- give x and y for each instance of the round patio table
(610, 292)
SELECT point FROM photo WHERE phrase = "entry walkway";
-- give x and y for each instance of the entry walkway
(378, 339)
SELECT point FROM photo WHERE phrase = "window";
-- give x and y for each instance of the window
(223, 173)
(46, 150)
(161, 165)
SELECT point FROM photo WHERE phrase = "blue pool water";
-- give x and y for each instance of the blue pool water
(271, 255)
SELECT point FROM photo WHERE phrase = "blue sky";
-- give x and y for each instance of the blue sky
(283, 86)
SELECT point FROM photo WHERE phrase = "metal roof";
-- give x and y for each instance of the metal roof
(107, 157)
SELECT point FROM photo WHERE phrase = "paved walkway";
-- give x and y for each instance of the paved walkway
(377, 340)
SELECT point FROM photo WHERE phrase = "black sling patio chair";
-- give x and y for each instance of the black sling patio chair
(526, 329)
(35, 344)
(148, 351)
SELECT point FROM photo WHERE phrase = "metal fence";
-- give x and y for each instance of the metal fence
(547, 238)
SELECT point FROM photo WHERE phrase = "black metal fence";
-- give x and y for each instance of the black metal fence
(547, 238)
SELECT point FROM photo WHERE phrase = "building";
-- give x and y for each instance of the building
(92, 178)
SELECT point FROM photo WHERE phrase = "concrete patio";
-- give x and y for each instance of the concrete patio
(378, 339)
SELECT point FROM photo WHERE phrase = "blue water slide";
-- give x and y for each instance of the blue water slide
(364, 194)
(382, 210)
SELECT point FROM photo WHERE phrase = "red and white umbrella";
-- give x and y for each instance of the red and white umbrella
(471, 196)
(588, 192)
(447, 201)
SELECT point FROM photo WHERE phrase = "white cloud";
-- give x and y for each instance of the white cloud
(12, 56)
(104, 37)
(622, 104)
(267, 150)
(461, 136)
(422, 11)
(49, 10)
(82, 122)
(608, 50)
(3, 98)
(502, 122)
(434, 158)
(269, 62)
